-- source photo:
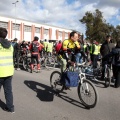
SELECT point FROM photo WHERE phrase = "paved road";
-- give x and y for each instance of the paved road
(34, 100)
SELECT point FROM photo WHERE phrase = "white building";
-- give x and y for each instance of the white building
(25, 30)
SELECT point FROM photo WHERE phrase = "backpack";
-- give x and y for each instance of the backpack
(117, 58)
(35, 47)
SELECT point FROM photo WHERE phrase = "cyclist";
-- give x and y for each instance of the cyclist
(67, 53)
(23, 48)
(68, 46)
(35, 48)
(115, 54)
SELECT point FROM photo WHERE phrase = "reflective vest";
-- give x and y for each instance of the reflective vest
(45, 45)
(99, 48)
(6, 61)
(91, 48)
(96, 50)
(50, 47)
(84, 47)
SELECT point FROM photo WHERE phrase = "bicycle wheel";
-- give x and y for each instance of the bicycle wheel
(107, 77)
(28, 63)
(55, 81)
(49, 62)
(25, 63)
(87, 94)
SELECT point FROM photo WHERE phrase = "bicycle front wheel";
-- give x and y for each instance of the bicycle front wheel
(87, 94)
(107, 77)
(55, 81)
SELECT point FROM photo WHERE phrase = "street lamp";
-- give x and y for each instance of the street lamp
(15, 15)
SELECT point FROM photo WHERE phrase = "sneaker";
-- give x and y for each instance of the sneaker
(38, 71)
(17, 68)
(6, 109)
(31, 71)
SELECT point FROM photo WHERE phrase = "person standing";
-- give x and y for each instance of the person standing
(105, 49)
(6, 69)
(35, 48)
(115, 54)
(95, 54)
(16, 54)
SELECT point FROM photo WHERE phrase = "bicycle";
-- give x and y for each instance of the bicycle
(86, 90)
(107, 75)
(96, 73)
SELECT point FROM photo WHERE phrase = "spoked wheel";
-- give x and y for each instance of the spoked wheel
(55, 81)
(87, 94)
(49, 62)
(107, 78)
(25, 61)
(28, 63)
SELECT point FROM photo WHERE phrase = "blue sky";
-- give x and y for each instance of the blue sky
(62, 13)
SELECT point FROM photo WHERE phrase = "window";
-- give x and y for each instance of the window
(37, 30)
(4, 24)
(16, 27)
(27, 28)
(46, 31)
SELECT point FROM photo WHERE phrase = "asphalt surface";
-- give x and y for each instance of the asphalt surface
(34, 100)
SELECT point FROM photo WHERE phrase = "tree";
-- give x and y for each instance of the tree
(96, 26)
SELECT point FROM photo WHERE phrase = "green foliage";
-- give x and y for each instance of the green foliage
(97, 28)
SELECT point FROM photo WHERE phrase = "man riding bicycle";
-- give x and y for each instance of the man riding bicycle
(68, 46)
(68, 51)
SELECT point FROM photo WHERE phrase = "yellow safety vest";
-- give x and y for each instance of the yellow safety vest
(50, 47)
(84, 47)
(99, 48)
(91, 48)
(6, 61)
(45, 45)
(96, 50)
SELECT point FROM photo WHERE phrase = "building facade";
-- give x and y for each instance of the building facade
(25, 30)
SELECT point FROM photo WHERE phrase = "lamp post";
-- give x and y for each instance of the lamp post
(15, 15)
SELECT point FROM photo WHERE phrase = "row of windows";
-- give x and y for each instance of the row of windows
(16, 27)
(28, 28)
(4, 24)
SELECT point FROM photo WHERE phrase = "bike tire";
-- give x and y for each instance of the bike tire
(83, 89)
(49, 62)
(108, 78)
(28, 67)
(24, 64)
(54, 77)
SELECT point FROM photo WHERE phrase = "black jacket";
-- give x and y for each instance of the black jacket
(113, 54)
(16, 48)
(106, 48)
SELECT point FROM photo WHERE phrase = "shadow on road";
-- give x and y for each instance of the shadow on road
(43, 91)
(2, 104)
(71, 101)
(46, 93)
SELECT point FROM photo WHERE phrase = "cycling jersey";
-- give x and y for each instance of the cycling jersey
(69, 46)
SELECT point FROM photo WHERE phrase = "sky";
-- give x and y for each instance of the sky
(62, 13)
